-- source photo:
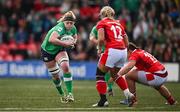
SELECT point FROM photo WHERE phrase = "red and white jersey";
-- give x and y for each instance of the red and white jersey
(114, 33)
(145, 61)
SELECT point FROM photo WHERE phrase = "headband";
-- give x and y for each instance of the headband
(69, 19)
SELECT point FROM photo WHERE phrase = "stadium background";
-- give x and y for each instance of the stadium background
(153, 25)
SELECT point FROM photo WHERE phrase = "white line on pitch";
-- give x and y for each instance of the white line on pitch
(106, 108)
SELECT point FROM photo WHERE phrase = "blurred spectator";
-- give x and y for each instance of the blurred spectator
(154, 25)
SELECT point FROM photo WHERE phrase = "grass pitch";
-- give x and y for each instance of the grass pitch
(41, 95)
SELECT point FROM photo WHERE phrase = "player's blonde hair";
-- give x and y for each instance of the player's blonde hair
(68, 16)
(107, 11)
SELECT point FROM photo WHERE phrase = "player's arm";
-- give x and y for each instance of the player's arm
(100, 39)
(126, 41)
(124, 70)
(75, 38)
(93, 39)
(54, 39)
(93, 36)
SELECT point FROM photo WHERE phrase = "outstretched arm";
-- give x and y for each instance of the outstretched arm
(124, 70)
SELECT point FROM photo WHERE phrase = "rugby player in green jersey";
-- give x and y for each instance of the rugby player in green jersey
(55, 57)
(93, 38)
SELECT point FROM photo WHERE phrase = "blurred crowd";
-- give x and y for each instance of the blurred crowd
(154, 25)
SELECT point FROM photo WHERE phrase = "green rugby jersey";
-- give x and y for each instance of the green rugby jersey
(94, 33)
(61, 30)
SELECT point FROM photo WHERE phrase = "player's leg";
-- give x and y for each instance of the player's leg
(63, 61)
(109, 83)
(156, 82)
(54, 70)
(100, 80)
(163, 90)
(122, 83)
(131, 78)
(121, 55)
(101, 86)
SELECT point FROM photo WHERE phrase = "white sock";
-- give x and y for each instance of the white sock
(127, 93)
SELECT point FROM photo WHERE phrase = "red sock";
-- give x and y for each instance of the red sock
(121, 82)
(171, 100)
(101, 87)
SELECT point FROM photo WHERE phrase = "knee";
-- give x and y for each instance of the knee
(158, 87)
(65, 67)
(100, 74)
(54, 71)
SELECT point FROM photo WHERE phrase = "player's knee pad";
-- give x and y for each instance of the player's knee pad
(99, 74)
(54, 70)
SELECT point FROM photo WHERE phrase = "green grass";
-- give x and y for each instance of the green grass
(40, 94)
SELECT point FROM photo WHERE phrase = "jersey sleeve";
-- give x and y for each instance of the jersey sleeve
(58, 29)
(100, 25)
(134, 56)
(94, 32)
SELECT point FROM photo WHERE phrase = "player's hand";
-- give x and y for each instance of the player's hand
(75, 41)
(69, 44)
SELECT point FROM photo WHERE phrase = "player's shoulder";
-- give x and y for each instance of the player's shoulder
(94, 28)
(137, 52)
(59, 27)
(104, 20)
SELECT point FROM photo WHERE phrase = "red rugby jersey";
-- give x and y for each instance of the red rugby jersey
(114, 33)
(145, 61)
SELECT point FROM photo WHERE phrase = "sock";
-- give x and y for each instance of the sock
(109, 84)
(58, 86)
(135, 96)
(171, 100)
(68, 82)
(101, 88)
(121, 82)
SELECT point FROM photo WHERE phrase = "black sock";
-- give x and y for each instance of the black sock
(102, 100)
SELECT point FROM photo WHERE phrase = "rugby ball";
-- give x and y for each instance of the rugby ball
(67, 38)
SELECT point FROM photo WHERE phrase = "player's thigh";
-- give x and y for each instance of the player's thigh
(123, 58)
(103, 68)
(51, 64)
(62, 56)
(157, 81)
(133, 75)
(53, 68)
(114, 71)
(150, 79)
(63, 60)
(141, 75)
(113, 57)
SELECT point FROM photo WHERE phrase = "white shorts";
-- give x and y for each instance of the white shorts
(151, 79)
(114, 58)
